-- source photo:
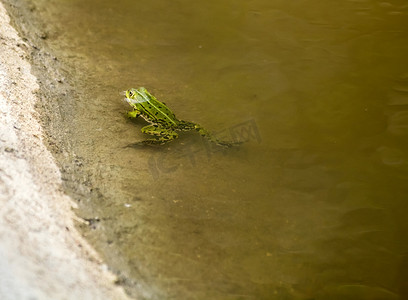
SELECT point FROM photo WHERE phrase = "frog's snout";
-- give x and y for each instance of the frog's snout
(126, 99)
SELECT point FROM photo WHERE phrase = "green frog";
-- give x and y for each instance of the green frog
(163, 122)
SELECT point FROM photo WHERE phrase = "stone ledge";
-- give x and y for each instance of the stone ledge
(42, 256)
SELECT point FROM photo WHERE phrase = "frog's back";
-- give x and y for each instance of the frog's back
(157, 111)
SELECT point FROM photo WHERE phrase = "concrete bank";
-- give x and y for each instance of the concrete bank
(42, 256)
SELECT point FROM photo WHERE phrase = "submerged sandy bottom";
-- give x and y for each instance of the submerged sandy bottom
(42, 256)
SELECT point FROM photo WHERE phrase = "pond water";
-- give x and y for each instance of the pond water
(312, 206)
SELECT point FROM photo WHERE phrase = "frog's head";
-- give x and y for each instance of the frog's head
(131, 96)
(134, 96)
(131, 93)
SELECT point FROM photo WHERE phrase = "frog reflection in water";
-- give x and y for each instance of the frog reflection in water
(163, 121)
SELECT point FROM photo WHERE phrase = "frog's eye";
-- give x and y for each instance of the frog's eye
(130, 93)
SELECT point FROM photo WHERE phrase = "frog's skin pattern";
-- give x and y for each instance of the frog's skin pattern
(163, 122)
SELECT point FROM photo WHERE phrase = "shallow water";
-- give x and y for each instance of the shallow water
(312, 206)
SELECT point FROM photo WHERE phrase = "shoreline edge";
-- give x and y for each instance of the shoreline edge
(42, 255)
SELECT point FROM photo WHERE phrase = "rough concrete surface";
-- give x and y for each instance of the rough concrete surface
(42, 256)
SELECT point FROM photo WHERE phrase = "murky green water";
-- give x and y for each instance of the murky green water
(312, 206)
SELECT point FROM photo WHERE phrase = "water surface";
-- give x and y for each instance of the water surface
(312, 206)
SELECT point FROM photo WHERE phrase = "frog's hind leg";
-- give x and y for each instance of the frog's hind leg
(186, 125)
(165, 135)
